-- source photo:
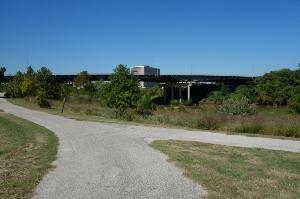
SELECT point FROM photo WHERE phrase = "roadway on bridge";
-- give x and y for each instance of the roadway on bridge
(108, 160)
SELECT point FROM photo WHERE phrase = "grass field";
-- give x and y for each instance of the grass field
(26, 153)
(234, 172)
(268, 120)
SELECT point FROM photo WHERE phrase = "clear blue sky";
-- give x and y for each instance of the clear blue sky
(222, 37)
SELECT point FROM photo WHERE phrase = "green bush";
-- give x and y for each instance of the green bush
(219, 96)
(174, 102)
(129, 115)
(252, 128)
(187, 102)
(42, 101)
(289, 130)
(207, 123)
(236, 106)
(294, 103)
(145, 104)
(122, 92)
(276, 87)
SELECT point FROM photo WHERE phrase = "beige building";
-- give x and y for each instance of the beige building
(145, 70)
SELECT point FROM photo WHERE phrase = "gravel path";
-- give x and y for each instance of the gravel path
(107, 160)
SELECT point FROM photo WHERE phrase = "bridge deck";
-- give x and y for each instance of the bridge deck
(164, 78)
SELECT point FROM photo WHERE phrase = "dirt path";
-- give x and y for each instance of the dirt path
(106, 160)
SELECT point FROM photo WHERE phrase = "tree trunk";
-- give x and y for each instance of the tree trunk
(63, 106)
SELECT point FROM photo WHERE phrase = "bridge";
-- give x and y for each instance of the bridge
(236, 80)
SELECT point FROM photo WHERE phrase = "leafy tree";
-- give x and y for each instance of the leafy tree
(122, 92)
(29, 85)
(247, 91)
(82, 79)
(294, 101)
(46, 83)
(42, 99)
(219, 96)
(276, 87)
(14, 86)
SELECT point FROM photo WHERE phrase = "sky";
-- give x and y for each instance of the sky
(217, 37)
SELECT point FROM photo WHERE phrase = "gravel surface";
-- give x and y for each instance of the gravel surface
(108, 160)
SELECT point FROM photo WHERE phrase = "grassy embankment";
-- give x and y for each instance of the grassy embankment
(235, 172)
(268, 120)
(26, 153)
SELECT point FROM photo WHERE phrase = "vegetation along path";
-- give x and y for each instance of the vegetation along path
(101, 160)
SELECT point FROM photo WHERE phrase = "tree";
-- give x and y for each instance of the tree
(247, 91)
(65, 91)
(146, 102)
(276, 87)
(14, 86)
(29, 85)
(122, 92)
(47, 84)
(82, 79)
(294, 101)
(218, 96)
(2, 77)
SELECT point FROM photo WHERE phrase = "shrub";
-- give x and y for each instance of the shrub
(276, 87)
(129, 115)
(181, 109)
(207, 123)
(42, 101)
(289, 130)
(252, 128)
(14, 87)
(219, 96)
(145, 104)
(236, 106)
(187, 102)
(174, 102)
(89, 112)
(294, 103)
(122, 92)
(45, 82)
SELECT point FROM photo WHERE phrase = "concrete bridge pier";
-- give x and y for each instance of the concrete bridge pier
(189, 91)
(172, 91)
(180, 93)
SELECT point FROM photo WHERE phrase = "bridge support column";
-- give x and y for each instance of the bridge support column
(189, 91)
(165, 95)
(172, 92)
(180, 93)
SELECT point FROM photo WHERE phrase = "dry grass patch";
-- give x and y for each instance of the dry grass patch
(235, 172)
(26, 153)
(269, 122)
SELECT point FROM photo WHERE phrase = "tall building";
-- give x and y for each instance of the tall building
(145, 70)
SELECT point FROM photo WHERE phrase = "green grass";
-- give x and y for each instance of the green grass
(26, 153)
(269, 121)
(235, 172)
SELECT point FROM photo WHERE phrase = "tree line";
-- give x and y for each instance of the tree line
(276, 88)
(122, 92)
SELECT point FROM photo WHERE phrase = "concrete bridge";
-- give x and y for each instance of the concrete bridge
(176, 86)
(168, 78)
